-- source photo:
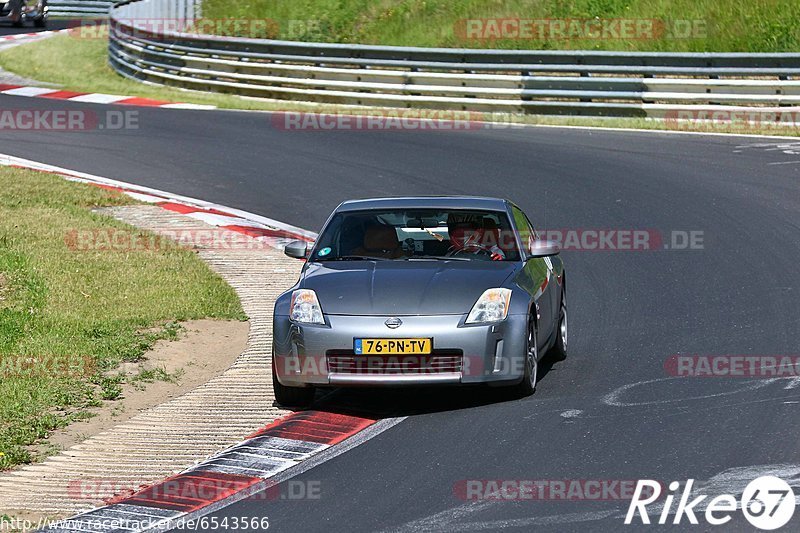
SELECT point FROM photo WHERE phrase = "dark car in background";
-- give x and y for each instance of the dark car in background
(18, 12)
(420, 291)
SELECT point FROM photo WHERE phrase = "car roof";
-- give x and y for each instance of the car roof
(426, 202)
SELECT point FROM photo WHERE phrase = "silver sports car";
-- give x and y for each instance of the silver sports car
(418, 291)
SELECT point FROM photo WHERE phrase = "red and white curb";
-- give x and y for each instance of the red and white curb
(93, 98)
(88, 98)
(24, 36)
(252, 466)
(271, 232)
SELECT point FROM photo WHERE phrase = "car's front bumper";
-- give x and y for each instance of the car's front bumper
(323, 355)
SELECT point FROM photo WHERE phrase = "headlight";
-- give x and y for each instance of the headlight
(306, 308)
(492, 306)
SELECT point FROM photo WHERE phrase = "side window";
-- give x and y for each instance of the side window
(533, 229)
(526, 232)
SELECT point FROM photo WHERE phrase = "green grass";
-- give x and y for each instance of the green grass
(68, 318)
(746, 26)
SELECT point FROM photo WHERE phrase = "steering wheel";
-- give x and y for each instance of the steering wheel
(469, 249)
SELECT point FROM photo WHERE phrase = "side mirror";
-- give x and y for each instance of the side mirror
(296, 249)
(544, 249)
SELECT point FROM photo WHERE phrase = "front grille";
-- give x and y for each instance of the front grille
(440, 361)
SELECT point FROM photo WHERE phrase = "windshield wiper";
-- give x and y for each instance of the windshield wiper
(354, 258)
(437, 258)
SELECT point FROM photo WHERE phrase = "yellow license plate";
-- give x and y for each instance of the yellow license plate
(393, 346)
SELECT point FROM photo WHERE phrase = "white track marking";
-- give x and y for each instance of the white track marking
(551, 520)
(447, 521)
(793, 383)
(29, 91)
(219, 220)
(442, 520)
(147, 198)
(613, 398)
(188, 106)
(97, 98)
(791, 148)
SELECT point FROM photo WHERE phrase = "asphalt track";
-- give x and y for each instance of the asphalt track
(53, 24)
(611, 411)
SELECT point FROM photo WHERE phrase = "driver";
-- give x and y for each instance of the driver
(470, 237)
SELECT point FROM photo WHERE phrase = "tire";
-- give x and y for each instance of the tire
(41, 10)
(559, 350)
(527, 386)
(291, 396)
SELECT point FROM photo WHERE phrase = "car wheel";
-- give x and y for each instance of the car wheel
(40, 22)
(291, 396)
(527, 386)
(559, 351)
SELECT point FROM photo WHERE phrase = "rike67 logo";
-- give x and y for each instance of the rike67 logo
(768, 503)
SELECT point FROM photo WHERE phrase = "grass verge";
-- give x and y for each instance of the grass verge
(688, 25)
(82, 65)
(68, 318)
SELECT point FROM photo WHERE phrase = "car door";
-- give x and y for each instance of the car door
(537, 276)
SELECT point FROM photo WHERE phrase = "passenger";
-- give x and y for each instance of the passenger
(380, 241)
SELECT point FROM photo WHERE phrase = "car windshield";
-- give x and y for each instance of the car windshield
(417, 234)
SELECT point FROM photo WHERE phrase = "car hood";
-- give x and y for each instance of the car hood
(403, 287)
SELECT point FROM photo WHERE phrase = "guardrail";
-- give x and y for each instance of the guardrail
(80, 8)
(544, 82)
